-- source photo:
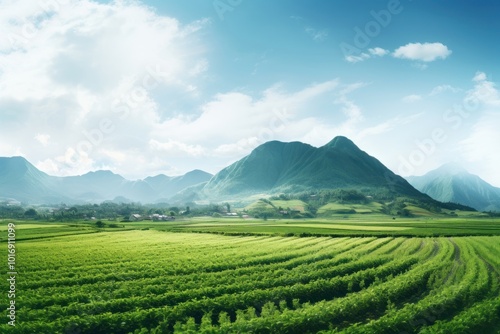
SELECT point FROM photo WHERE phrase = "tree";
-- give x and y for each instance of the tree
(99, 224)
(73, 211)
(31, 213)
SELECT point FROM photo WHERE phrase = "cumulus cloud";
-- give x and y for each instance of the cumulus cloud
(484, 100)
(378, 51)
(484, 92)
(43, 139)
(480, 76)
(234, 117)
(89, 45)
(82, 76)
(426, 52)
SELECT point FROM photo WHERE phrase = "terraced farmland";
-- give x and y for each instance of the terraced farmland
(160, 282)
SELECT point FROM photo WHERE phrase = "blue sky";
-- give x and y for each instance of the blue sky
(149, 87)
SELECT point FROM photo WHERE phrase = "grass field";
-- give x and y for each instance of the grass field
(356, 225)
(336, 208)
(144, 278)
(297, 205)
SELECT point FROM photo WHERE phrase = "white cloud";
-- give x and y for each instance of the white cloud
(349, 107)
(444, 88)
(482, 141)
(480, 76)
(91, 46)
(411, 98)
(356, 59)
(422, 53)
(479, 147)
(378, 51)
(374, 52)
(233, 116)
(83, 76)
(484, 91)
(43, 139)
(425, 52)
(49, 166)
(8, 149)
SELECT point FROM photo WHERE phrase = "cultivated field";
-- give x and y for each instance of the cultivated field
(150, 281)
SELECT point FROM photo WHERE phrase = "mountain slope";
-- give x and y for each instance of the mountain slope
(22, 181)
(451, 183)
(293, 167)
(167, 186)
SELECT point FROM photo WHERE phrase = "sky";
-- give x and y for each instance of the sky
(164, 87)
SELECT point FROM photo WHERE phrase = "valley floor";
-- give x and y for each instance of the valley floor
(141, 278)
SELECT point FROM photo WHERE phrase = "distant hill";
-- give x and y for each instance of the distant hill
(451, 183)
(167, 186)
(293, 167)
(21, 181)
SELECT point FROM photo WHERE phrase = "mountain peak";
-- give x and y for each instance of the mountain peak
(15, 161)
(276, 167)
(452, 183)
(198, 172)
(452, 168)
(16, 166)
(102, 175)
(341, 142)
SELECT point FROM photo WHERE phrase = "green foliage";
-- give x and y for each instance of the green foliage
(31, 213)
(122, 282)
(99, 224)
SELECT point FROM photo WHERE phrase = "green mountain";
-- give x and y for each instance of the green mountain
(452, 183)
(167, 186)
(277, 167)
(23, 182)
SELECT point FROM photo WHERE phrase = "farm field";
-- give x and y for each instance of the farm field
(133, 280)
(358, 225)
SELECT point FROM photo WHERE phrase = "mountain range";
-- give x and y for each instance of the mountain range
(272, 168)
(23, 182)
(452, 183)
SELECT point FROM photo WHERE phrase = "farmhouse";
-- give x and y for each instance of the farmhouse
(135, 217)
(158, 217)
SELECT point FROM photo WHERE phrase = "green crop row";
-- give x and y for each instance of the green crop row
(156, 282)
